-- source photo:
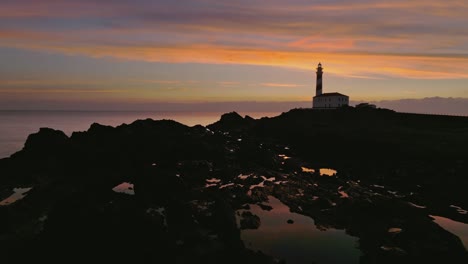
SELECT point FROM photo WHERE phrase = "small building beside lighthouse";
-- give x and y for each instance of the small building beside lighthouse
(327, 100)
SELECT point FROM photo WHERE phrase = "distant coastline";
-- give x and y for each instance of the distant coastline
(429, 105)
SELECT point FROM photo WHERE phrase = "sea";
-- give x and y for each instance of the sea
(15, 126)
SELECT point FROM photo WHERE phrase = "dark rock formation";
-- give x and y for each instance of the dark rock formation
(232, 121)
(46, 141)
(249, 221)
(265, 207)
(394, 170)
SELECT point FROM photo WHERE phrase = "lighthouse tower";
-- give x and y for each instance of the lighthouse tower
(327, 100)
(318, 89)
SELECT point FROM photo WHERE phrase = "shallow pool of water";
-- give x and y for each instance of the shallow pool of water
(300, 242)
(327, 172)
(124, 187)
(457, 228)
(18, 194)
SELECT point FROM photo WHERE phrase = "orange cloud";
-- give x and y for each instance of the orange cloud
(51, 82)
(368, 39)
(228, 83)
(291, 85)
(157, 81)
(361, 64)
(320, 43)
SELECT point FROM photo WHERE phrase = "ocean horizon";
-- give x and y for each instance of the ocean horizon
(17, 125)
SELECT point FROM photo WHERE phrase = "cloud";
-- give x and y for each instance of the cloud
(15, 83)
(70, 90)
(227, 83)
(6, 83)
(287, 85)
(369, 65)
(158, 81)
(428, 40)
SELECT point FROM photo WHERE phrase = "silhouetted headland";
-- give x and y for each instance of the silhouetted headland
(152, 190)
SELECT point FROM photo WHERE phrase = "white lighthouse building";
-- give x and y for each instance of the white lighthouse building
(327, 100)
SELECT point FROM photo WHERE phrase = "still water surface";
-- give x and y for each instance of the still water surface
(301, 242)
(457, 228)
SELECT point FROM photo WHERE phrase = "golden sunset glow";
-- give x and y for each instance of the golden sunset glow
(193, 51)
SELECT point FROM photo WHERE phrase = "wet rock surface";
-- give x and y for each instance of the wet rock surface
(193, 187)
(249, 221)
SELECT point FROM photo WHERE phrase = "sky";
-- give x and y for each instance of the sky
(156, 54)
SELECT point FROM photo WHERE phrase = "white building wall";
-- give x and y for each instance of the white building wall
(330, 101)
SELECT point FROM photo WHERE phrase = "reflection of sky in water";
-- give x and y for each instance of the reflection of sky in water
(19, 193)
(327, 172)
(283, 156)
(124, 187)
(323, 171)
(457, 228)
(300, 242)
(459, 209)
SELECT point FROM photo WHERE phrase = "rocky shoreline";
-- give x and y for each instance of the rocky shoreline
(188, 191)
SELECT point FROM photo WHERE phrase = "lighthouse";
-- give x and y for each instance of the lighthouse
(327, 100)
(318, 89)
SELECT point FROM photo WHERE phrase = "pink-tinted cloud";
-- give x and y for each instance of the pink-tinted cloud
(360, 39)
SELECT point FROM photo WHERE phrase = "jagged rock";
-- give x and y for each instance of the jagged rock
(249, 118)
(265, 207)
(232, 121)
(47, 140)
(258, 195)
(249, 221)
(96, 128)
(245, 207)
